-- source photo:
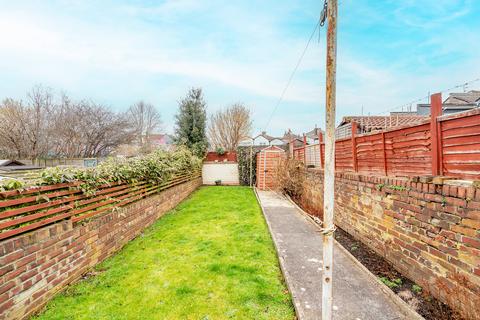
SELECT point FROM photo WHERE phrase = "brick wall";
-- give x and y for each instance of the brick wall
(36, 265)
(431, 233)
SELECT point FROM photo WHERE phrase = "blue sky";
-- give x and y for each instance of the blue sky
(117, 52)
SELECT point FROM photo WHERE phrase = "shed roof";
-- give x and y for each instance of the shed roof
(7, 163)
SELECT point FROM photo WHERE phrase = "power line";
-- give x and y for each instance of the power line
(292, 74)
(462, 85)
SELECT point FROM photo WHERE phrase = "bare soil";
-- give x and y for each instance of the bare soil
(420, 300)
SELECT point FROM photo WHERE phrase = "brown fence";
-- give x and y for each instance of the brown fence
(33, 208)
(267, 162)
(446, 145)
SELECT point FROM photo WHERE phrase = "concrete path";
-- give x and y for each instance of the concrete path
(299, 246)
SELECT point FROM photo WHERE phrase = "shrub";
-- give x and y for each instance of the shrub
(220, 151)
(247, 157)
(291, 177)
(156, 168)
(10, 184)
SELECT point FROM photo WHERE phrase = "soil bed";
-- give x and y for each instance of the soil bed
(426, 305)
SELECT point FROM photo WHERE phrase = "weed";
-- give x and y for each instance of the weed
(397, 188)
(444, 201)
(392, 284)
(416, 289)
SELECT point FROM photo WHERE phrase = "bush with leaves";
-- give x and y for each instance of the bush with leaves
(156, 168)
(10, 184)
(247, 157)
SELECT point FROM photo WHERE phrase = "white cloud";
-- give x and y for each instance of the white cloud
(234, 51)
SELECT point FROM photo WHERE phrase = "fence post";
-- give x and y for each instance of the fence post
(354, 146)
(320, 140)
(436, 148)
(305, 149)
(385, 169)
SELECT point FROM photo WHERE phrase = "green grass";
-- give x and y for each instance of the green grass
(210, 258)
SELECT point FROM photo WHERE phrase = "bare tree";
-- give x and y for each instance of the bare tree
(44, 127)
(87, 129)
(145, 119)
(38, 120)
(230, 126)
(13, 116)
(103, 130)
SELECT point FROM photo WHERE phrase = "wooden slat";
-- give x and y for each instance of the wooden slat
(46, 205)
(13, 202)
(89, 206)
(16, 193)
(33, 226)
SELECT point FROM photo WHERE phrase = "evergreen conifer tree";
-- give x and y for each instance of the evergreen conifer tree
(190, 124)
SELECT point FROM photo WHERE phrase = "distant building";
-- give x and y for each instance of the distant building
(313, 135)
(264, 139)
(160, 140)
(456, 102)
(153, 142)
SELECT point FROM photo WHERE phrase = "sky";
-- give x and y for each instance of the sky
(117, 52)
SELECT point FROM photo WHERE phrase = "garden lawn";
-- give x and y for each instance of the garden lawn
(210, 258)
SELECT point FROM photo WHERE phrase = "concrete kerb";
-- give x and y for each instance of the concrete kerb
(404, 307)
(280, 261)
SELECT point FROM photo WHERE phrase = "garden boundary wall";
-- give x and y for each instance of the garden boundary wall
(224, 172)
(429, 232)
(446, 145)
(51, 252)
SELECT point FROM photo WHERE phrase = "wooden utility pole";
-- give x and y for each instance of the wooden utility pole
(329, 173)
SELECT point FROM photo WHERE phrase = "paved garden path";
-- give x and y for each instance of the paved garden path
(299, 246)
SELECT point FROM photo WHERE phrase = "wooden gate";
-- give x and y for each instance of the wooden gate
(268, 160)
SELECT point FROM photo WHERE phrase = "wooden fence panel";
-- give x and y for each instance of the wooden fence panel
(343, 155)
(460, 138)
(408, 151)
(312, 155)
(299, 153)
(370, 155)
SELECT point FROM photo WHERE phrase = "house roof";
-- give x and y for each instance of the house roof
(289, 136)
(314, 133)
(471, 97)
(269, 138)
(369, 123)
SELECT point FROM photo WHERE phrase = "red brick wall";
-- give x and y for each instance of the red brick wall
(431, 233)
(36, 265)
(228, 156)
